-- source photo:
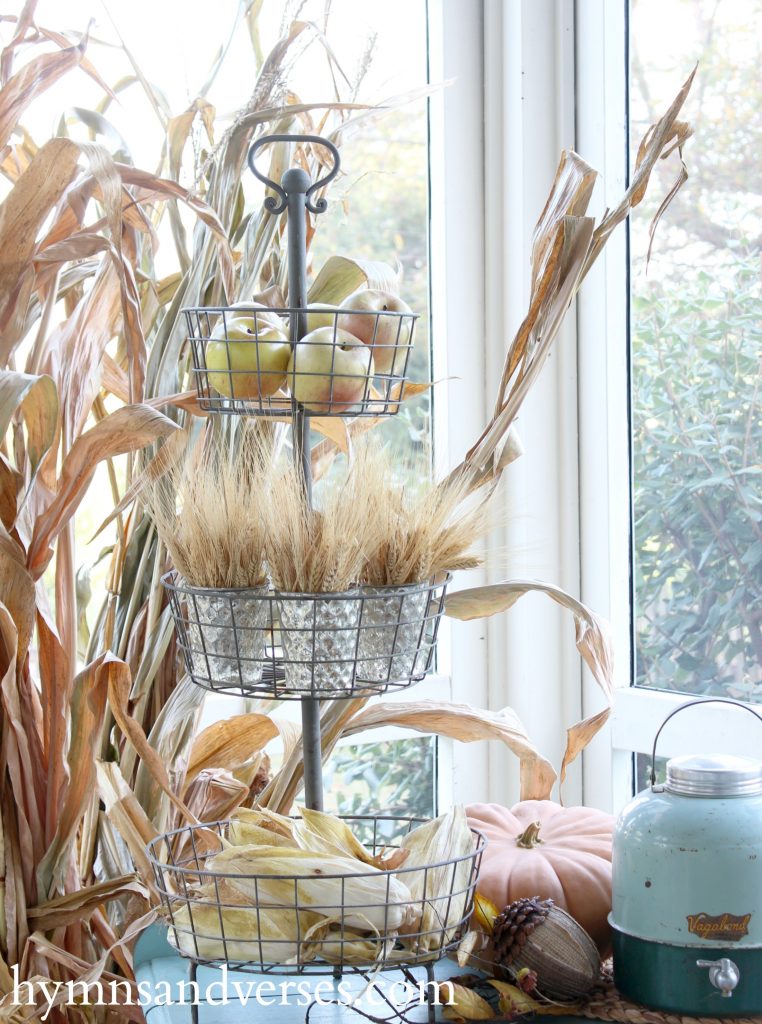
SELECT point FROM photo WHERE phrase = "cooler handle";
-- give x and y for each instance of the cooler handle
(690, 704)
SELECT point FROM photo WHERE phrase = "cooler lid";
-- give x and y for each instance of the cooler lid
(715, 775)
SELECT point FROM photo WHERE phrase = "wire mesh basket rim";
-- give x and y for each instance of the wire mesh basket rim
(292, 310)
(173, 580)
(480, 840)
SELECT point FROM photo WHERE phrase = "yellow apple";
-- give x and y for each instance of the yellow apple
(246, 363)
(263, 314)
(388, 336)
(320, 315)
(328, 374)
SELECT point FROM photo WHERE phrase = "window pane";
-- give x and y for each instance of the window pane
(696, 345)
(395, 777)
(379, 208)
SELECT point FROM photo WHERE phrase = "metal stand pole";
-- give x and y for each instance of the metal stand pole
(295, 183)
(294, 192)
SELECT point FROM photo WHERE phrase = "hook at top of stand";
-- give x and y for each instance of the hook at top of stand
(291, 181)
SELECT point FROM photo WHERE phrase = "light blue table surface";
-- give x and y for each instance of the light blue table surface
(157, 966)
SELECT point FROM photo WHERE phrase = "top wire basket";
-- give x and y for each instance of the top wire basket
(349, 363)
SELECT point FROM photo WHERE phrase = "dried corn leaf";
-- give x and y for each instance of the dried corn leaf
(21, 215)
(34, 78)
(230, 743)
(213, 794)
(340, 276)
(126, 815)
(467, 725)
(77, 906)
(37, 399)
(125, 430)
(592, 640)
(88, 707)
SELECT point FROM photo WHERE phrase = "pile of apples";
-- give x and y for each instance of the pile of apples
(249, 356)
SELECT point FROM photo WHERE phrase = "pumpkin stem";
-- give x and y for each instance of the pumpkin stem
(530, 837)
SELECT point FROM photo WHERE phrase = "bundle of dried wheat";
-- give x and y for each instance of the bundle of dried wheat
(208, 511)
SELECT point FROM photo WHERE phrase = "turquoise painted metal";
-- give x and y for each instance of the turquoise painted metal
(687, 888)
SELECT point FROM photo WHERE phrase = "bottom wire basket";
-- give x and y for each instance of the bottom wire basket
(319, 923)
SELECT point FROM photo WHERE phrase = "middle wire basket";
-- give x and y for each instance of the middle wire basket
(296, 924)
(259, 642)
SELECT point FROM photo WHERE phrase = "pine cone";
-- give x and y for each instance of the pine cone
(513, 927)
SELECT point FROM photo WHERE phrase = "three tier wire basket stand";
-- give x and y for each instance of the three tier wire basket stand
(309, 648)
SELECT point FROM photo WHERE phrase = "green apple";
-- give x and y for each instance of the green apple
(388, 336)
(246, 363)
(330, 374)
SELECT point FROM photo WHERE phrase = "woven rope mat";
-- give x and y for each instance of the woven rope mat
(605, 1003)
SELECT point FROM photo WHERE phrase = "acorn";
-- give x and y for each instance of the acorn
(537, 935)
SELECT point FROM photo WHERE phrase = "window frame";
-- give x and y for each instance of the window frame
(512, 72)
(607, 555)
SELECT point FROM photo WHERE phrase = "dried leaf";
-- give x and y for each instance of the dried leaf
(125, 430)
(21, 215)
(230, 743)
(514, 1001)
(34, 78)
(37, 399)
(467, 725)
(592, 640)
(485, 912)
(461, 1003)
(78, 906)
(88, 707)
(340, 276)
(126, 814)
(118, 698)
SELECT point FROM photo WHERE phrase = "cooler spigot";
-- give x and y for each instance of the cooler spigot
(723, 974)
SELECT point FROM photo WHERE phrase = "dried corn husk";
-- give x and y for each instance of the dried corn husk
(213, 793)
(319, 832)
(372, 900)
(353, 947)
(444, 839)
(247, 833)
(262, 934)
(269, 820)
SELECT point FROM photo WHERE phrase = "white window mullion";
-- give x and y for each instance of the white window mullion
(529, 118)
(457, 292)
(603, 377)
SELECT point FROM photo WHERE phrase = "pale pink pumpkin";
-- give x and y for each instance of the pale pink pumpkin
(539, 848)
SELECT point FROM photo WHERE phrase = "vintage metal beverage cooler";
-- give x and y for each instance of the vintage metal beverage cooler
(687, 887)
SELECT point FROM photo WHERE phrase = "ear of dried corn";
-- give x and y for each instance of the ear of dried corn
(324, 833)
(371, 899)
(265, 934)
(246, 833)
(442, 892)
